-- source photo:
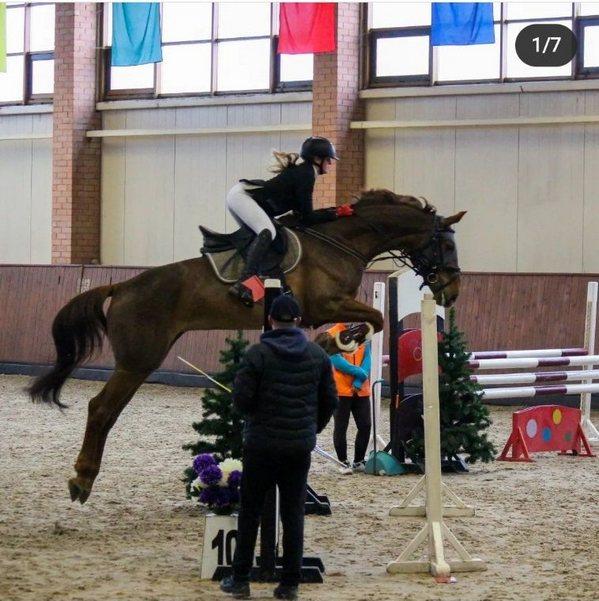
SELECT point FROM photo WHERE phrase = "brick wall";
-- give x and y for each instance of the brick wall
(336, 104)
(76, 160)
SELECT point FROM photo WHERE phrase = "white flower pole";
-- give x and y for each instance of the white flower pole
(434, 531)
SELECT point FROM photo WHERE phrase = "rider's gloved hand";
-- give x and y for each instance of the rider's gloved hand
(344, 211)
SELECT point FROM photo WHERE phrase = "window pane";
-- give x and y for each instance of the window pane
(538, 10)
(479, 61)
(186, 21)
(238, 19)
(15, 29)
(132, 78)
(591, 46)
(185, 68)
(297, 67)
(400, 14)
(516, 68)
(42, 77)
(402, 56)
(243, 65)
(589, 8)
(42, 28)
(11, 82)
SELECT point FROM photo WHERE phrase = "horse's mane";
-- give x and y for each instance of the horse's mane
(381, 196)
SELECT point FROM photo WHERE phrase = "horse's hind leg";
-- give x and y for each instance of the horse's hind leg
(103, 411)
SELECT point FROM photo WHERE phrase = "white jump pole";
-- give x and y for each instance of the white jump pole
(434, 531)
(547, 352)
(525, 392)
(376, 364)
(533, 362)
(590, 326)
(535, 377)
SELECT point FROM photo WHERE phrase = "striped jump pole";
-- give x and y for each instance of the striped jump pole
(533, 378)
(531, 363)
(531, 391)
(550, 352)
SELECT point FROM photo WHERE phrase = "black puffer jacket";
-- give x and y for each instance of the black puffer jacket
(290, 190)
(285, 391)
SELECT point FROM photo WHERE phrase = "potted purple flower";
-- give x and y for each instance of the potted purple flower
(216, 484)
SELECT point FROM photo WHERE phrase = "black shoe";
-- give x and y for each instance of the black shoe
(239, 590)
(285, 591)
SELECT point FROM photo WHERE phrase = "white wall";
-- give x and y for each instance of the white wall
(25, 190)
(157, 190)
(531, 192)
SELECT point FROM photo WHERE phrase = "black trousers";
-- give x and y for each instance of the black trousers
(359, 407)
(261, 471)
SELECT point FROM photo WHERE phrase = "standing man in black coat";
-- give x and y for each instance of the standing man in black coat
(286, 393)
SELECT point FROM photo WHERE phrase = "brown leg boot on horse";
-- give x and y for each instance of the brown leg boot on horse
(258, 248)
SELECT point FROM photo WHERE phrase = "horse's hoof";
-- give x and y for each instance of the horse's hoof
(78, 492)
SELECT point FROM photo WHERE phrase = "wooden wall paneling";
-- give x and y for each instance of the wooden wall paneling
(294, 113)
(149, 190)
(200, 179)
(590, 248)
(15, 191)
(114, 157)
(41, 192)
(250, 155)
(425, 158)
(486, 185)
(379, 168)
(30, 297)
(550, 186)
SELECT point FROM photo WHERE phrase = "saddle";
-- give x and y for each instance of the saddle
(226, 253)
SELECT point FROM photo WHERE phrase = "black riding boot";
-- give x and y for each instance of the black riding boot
(256, 252)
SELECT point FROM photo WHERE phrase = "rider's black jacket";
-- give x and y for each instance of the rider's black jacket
(285, 391)
(290, 190)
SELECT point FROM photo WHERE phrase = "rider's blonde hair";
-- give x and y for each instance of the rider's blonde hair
(284, 160)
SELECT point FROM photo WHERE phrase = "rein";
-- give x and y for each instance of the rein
(417, 260)
(336, 244)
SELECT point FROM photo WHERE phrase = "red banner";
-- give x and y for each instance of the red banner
(306, 27)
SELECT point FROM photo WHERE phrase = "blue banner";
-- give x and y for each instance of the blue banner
(462, 23)
(135, 33)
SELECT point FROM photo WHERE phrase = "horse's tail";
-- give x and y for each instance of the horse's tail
(77, 331)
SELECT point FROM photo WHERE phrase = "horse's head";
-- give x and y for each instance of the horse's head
(412, 227)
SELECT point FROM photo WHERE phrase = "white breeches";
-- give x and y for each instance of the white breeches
(246, 211)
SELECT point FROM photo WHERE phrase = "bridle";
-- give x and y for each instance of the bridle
(426, 260)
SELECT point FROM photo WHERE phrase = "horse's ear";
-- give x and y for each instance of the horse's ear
(449, 221)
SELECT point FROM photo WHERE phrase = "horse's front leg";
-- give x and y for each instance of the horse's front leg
(348, 310)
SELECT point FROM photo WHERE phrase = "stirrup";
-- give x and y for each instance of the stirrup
(242, 293)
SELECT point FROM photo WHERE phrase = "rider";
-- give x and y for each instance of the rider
(254, 203)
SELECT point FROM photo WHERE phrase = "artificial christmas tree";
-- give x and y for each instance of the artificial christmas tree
(221, 427)
(464, 418)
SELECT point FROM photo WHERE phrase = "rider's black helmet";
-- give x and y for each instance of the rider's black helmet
(317, 147)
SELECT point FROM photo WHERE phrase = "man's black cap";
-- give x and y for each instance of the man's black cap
(285, 309)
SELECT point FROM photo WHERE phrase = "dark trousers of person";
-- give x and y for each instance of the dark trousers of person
(359, 407)
(261, 471)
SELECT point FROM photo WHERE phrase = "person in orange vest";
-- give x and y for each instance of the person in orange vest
(351, 372)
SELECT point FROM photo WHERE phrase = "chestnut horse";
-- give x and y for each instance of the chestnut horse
(149, 312)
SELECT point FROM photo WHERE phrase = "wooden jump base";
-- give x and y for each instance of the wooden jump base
(434, 532)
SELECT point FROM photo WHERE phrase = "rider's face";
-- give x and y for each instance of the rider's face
(325, 164)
